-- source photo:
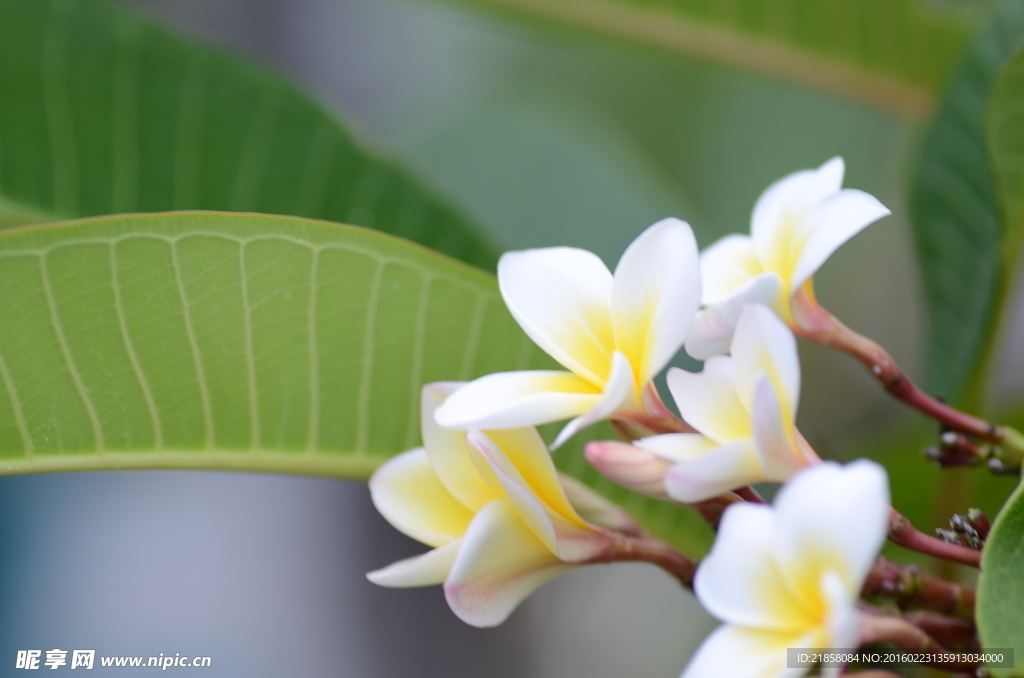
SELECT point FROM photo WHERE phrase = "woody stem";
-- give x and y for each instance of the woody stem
(909, 587)
(816, 324)
(906, 636)
(906, 535)
(647, 549)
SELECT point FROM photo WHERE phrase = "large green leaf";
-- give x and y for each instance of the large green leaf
(219, 341)
(1000, 610)
(101, 113)
(894, 54)
(1001, 587)
(957, 227)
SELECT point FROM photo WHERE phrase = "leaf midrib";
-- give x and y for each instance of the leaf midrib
(897, 96)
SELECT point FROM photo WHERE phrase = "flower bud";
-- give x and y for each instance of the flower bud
(631, 467)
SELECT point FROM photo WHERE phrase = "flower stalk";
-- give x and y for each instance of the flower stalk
(954, 633)
(902, 532)
(905, 636)
(909, 587)
(645, 548)
(815, 323)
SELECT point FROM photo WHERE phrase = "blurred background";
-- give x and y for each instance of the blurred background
(546, 136)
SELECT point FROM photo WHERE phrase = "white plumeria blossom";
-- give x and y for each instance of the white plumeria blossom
(493, 507)
(613, 333)
(743, 408)
(797, 223)
(789, 575)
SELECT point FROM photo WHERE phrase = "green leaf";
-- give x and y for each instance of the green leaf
(102, 113)
(246, 342)
(1000, 611)
(957, 228)
(1006, 147)
(892, 54)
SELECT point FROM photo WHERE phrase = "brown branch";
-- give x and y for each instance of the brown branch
(906, 636)
(647, 549)
(815, 323)
(749, 494)
(957, 633)
(908, 587)
(902, 532)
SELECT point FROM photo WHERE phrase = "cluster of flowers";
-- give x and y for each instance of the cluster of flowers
(483, 490)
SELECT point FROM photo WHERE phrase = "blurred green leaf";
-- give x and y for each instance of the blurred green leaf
(246, 342)
(1006, 146)
(892, 54)
(1000, 610)
(957, 227)
(101, 113)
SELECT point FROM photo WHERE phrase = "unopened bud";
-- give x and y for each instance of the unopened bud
(999, 468)
(979, 521)
(629, 466)
(949, 536)
(962, 526)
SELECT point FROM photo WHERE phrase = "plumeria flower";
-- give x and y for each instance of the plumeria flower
(743, 408)
(492, 506)
(797, 223)
(789, 575)
(613, 333)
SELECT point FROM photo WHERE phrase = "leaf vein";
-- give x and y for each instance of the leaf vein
(147, 393)
(204, 394)
(363, 404)
(473, 342)
(416, 373)
(19, 417)
(76, 378)
(314, 359)
(254, 409)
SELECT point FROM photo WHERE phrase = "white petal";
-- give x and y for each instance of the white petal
(514, 399)
(740, 582)
(708, 400)
(726, 266)
(560, 296)
(527, 504)
(525, 450)
(632, 467)
(834, 516)
(712, 330)
(737, 652)
(842, 619)
(448, 453)
(677, 447)
(655, 294)
(722, 469)
(565, 535)
(500, 563)
(426, 570)
(764, 345)
(830, 224)
(410, 496)
(619, 394)
(779, 224)
(774, 435)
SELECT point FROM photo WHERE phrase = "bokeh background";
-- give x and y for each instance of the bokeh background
(546, 136)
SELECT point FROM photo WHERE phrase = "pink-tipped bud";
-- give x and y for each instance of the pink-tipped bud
(631, 467)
